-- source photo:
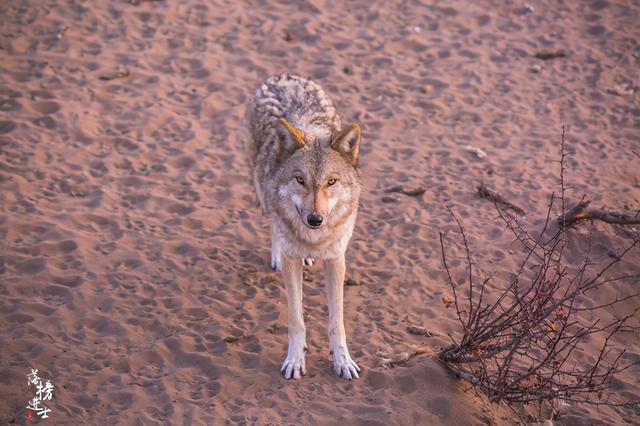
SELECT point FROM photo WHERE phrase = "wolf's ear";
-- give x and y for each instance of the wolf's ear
(347, 142)
(289, 137)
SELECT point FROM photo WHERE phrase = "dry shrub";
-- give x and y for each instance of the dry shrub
(523, 344)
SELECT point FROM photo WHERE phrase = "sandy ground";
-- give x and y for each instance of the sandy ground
(134, 261)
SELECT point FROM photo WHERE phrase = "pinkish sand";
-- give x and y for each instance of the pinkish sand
(131, 245)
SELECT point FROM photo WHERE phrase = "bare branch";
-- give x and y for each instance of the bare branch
(485, 192)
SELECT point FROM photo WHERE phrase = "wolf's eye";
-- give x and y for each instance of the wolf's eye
(300, 180)
(331, 181)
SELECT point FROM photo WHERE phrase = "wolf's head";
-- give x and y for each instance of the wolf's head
(317, 182)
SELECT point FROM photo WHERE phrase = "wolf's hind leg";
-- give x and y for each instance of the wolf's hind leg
(275, 255)
(275, 251)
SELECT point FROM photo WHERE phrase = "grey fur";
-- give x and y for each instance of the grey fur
(301, 102)
(304, 167)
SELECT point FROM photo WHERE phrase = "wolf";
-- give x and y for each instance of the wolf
(307, 182)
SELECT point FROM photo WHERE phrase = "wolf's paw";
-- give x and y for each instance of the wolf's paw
(343, 365)
(308, 261)
(293, 367)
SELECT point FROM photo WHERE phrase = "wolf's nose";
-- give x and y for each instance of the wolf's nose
(314, 220)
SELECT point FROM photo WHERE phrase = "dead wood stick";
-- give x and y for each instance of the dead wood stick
(550, 54)
(491, 195)
(402, 357)
(581, 212)
(410, 192)
(138, 2)
(119, 73)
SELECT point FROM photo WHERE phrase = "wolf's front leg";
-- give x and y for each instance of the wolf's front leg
(293, 366)
(343, 365)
